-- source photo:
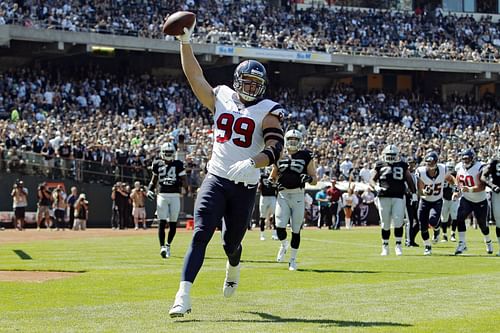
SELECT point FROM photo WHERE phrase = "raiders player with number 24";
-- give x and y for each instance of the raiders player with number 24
(292, 172)
(171, 176)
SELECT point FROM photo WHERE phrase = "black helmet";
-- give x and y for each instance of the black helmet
(250, 80)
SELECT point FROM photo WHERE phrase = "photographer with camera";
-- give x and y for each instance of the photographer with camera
(43, 206)
(81, 213)
(19, 203)
(138, 197)
(59, 205)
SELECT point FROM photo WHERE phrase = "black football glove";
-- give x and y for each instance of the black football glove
(496, 189)
(305, 178)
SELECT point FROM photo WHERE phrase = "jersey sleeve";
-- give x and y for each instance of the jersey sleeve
(155, 166)
(181, 171)
(278, 111)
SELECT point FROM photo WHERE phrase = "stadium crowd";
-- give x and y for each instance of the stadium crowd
(103, 128)
(422, 33)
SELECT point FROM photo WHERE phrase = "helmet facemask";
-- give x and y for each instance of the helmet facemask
(249, 87)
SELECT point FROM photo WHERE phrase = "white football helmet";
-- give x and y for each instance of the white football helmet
(167, 151)
(390, 154)
(293, 140)
(450, 166)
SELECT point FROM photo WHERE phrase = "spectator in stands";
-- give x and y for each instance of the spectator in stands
(43, 206)
(19, 196)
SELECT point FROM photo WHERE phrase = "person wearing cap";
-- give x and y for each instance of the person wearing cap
(81, 212)
(334, 195)
(19, 196)
(325, 217)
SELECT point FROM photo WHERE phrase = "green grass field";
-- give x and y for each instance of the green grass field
(342, 285)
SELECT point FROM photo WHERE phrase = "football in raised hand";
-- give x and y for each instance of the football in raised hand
(175, 23)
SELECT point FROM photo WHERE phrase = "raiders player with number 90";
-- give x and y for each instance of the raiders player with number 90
(296, 168)
(171, 177)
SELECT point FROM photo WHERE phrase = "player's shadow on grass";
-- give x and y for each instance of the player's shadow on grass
(269, 318)
(336, 271)
(23, 255)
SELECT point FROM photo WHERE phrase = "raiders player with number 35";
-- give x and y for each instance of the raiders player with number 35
(171, 176)
(247, 137)
(291, 173)
(389, 180)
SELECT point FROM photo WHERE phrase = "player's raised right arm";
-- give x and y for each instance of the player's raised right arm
(194, 73)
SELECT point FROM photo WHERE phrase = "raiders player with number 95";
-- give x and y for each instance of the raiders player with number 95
(170, 174)
(292, 172)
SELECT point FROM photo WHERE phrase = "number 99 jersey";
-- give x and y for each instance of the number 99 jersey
(169, 175)
(238, 131)
(392, 178)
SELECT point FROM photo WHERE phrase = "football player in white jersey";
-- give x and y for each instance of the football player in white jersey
(247, 136)
(491, 176)
(473, 199)
(450, 205)
(430, 183)
(292, 172)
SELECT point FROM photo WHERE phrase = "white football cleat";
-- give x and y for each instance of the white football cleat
(461, 248)
(398, 249)
(182, 306)
(282, 252)
(231, 281)
(385, 250)
(292, 265)
(452, 238)
(428, 250)
(163, 252)
(262, 237)
(489, 247)
(167, 254)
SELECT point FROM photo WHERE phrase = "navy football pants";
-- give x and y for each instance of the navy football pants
(219, 198)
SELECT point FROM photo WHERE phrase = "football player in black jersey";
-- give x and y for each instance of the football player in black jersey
(450, 205)
(491, 176)
(389, 180)
(171, 177)
(267, 202)
(292, 172)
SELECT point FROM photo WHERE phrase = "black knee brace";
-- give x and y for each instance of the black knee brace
(281, 232)
(295, 242)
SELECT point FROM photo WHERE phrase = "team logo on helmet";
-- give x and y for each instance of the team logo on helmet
(250, 80)
(390, 154)
(293, 139)
(167, 151)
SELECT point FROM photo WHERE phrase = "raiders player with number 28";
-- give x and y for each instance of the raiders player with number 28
(291, 173)
(247, 136)
(491, 176)
(171, 176)
(389, 180)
